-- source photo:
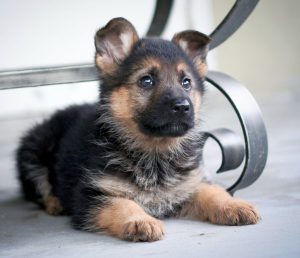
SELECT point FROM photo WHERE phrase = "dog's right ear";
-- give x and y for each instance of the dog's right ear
(114, 43)
(196, 45)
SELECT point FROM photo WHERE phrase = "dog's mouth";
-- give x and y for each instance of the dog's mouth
(166, 130)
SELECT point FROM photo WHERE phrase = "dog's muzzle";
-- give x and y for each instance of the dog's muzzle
(168, 119)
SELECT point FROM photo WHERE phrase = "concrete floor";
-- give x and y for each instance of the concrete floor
(26, 231)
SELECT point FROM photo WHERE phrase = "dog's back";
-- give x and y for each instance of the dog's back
(37, 154)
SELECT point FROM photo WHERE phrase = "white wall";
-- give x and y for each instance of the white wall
(264, 53)
(37, 33)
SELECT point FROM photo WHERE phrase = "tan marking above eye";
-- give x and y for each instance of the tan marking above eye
(145, 66)
(181, 66)
(183, 70)
(200, 65)
(152, 62)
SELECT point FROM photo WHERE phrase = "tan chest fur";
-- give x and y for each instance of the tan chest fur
(157, 201)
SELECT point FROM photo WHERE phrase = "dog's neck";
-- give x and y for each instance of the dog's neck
(149, 167)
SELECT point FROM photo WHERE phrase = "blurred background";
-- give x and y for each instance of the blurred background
(263, 54)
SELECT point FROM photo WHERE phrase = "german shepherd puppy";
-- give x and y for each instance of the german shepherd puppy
(122, 164)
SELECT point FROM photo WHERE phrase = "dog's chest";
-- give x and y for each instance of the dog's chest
(161, 202)
(157, 201)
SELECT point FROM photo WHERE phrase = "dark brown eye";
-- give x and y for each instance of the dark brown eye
(186, 83)
(146, 82)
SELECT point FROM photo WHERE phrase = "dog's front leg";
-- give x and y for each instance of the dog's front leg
(127, 220)
(212, 203)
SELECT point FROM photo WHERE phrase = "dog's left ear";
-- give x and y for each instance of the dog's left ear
(114, 43)
(196, 45)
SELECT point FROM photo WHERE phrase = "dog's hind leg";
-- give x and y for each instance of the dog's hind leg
(34, 163)
(38, 178)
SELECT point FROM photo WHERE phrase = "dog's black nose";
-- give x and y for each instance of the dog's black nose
(181, 106)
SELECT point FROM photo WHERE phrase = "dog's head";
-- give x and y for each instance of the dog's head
(153, 86)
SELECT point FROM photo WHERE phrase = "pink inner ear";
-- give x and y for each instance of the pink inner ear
(117, 46)
(115, 40)
(195, 46)
(114, 50)
(128, 40)
(194, 43)
(193, 49)
(198, 51)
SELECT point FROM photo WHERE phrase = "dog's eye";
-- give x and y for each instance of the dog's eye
(146, 81)
(186, 83)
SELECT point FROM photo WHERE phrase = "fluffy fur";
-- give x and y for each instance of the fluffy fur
(135, 156)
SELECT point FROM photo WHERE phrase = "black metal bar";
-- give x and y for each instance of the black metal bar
(233, 20)
(161, 15)
(231, 145)
(48, 76)
(251, 120)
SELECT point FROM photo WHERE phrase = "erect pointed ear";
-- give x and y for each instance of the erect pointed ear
(114, 43)
(196, 45)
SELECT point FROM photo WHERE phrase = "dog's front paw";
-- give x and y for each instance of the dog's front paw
(235, 212)
(144, 229)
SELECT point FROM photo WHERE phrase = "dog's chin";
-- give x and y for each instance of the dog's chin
(166, 130)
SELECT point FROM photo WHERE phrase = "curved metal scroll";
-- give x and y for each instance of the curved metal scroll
(160, 17)
(233, 20)
(231, 145)
(254, 130)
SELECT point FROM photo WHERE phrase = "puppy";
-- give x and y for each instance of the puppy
(133, 158)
